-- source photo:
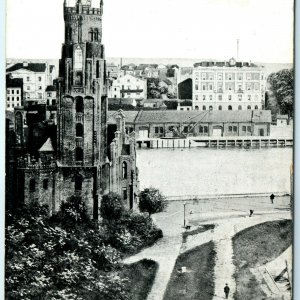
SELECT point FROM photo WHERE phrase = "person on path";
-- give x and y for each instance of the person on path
(272, 198)
(251, 212)
(226, 290)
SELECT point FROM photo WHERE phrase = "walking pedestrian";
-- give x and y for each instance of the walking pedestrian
(226, 290)
(272, 198)
(251, 212)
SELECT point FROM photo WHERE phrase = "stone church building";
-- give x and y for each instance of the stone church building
(84, 163)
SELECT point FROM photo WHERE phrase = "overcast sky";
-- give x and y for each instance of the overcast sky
(162, 28)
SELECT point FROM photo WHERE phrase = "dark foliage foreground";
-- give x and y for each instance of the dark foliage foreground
(69, 256)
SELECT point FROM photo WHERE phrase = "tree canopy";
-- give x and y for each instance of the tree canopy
(282, 88)
(70, 256)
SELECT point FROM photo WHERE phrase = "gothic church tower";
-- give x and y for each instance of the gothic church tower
(82, 108)
(79, 165)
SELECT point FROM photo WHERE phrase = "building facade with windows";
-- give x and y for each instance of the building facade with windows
(228, 85)
(82, 164)
(177, 123)
(14, 93)
(35, 80)
(128, 86)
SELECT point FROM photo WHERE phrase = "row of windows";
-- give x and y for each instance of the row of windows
(28, 87)
(13, 92)
(13, 98)
(32, 185)
(220, 97)
(12, 105)
(78, 181)
(28, 79)
(228, 87)
(249, 107)
(228, 76)
(53, 102)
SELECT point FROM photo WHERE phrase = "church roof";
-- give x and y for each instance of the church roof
(47, 147)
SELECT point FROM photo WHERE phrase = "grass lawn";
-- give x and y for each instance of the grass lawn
(256, 246)
(197, 283)
(200, 229)
(141, 277)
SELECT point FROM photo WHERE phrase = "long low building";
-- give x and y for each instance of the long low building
(171, 123)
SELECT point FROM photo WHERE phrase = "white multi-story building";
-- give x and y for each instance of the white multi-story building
(14, 93)
(128, 86)
(228, 86)
(36, 77)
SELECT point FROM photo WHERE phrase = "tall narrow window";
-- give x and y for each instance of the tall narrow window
(79, 104)
(97, 69)
(78, 59)
(249, 107)
(256, 107)
(124, 170)
(91, 35)
(204, 107)
(32, 185)
(79, 130)
(220, 107)
(78, 154)
(78, 183)
(125, 193)
(45, 184)
(229, 107)
(96, 35)
(240, 107)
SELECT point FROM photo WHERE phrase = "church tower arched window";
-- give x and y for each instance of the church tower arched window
(78, 183)
(96, 35)
(79, 105)
(91, 35)
(79, 130)
(124, 170)
(78, 154)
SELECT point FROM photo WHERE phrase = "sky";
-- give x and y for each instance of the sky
(161, 28)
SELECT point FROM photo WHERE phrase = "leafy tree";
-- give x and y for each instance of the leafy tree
(49, 262)
(72, 213)
(112, 206)
(282, 87)
(152, 201)
(171, 72)
(171, 104)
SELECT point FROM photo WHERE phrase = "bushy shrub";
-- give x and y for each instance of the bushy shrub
(112, 206)
(152, 201)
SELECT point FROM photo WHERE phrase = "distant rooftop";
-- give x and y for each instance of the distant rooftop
(34, 67)
(51, 88)
(230, 63)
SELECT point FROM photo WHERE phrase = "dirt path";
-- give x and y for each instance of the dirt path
(166, 250)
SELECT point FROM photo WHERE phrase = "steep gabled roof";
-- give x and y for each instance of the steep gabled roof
(34, 67)
(47, 147)
(51, 88)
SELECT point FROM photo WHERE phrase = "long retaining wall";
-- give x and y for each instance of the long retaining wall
(216, 142)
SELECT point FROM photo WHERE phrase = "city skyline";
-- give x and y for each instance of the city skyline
(181, 31)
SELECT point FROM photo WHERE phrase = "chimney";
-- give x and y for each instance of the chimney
(25, 64)
(237, 49)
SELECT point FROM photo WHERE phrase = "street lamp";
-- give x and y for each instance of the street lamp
(184, 204)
